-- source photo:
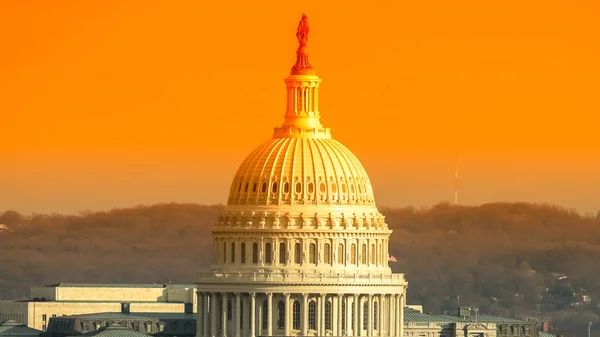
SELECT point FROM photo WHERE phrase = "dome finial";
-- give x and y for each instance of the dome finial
(302, 66)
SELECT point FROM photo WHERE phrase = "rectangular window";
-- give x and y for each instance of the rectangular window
(43, 327)
(243, 252)
(44, 317)
(312, 324)
(328, 315)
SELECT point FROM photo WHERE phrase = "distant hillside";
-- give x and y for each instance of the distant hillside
(510, 259)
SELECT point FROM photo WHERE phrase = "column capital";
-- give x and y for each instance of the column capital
(305, 295)
(287, 295)
(269, 295)
(253, 295)
(237, 294)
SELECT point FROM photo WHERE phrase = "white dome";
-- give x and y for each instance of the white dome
(309, 171)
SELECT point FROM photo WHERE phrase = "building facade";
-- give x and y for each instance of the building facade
(65, 299)
(301, 248)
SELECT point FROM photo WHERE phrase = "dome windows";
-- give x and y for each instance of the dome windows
(274, 188)
(298, 187)
(263, 189)
(286, 187)
(246, 188)
(297, 253)
(327, 253)
(312, 253)
(310, 187)
(282, 253)
(255, 253)
(268, 253)
(333, 188)
(344, 189)
(254, 188)
(322, 188)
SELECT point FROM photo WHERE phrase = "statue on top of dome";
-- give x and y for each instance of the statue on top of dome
(302, 32)
(302, 66)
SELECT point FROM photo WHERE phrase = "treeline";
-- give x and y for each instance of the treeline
(510, 259)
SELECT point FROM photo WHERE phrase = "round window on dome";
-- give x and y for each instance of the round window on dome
(298, 187)
(322, 188)
(286, 187)
(274, 188)
(352, 188)
(310, 187)
(344, 190)
(240, 187)
(253, 187)
(263, 189)
(359, 188)
(333, 188)
(246, 188)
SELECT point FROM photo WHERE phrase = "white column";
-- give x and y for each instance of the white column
(213, 315)
(318, 315)
(355, 316)
(323, 314)
(401, 319)
(252, 314)
(287, 315)
(349, 311)
(199, 314)
(224, 314)
(391, 315)
(205, 305)
(270, 314)
(370, 316)
(380, 316)
(237, 313)
(337, 315)
(304, 315)
(397, 305)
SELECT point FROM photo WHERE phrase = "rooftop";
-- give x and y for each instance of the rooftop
(119, 285)
(135, 315)
(414, 316)
(115, 330)
(12, 328)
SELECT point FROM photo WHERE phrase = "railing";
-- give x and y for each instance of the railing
(225, 277)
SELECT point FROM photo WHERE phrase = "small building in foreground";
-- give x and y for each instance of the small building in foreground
(148, 323)
(63, 299)
(467, 324)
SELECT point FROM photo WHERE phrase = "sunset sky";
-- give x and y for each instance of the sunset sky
(117, 103)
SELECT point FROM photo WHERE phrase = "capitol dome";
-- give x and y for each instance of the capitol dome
(301, 249)
(310, 171)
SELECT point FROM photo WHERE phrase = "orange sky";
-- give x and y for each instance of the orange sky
(116, 103)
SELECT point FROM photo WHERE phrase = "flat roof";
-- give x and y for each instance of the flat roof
(119, 285)
(133, 315)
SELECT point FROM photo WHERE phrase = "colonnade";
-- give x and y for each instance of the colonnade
(241, 314)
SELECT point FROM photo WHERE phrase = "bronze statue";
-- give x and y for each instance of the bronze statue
(302, 65)
(302, 33)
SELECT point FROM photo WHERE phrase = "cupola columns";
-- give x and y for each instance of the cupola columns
(302, 108)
